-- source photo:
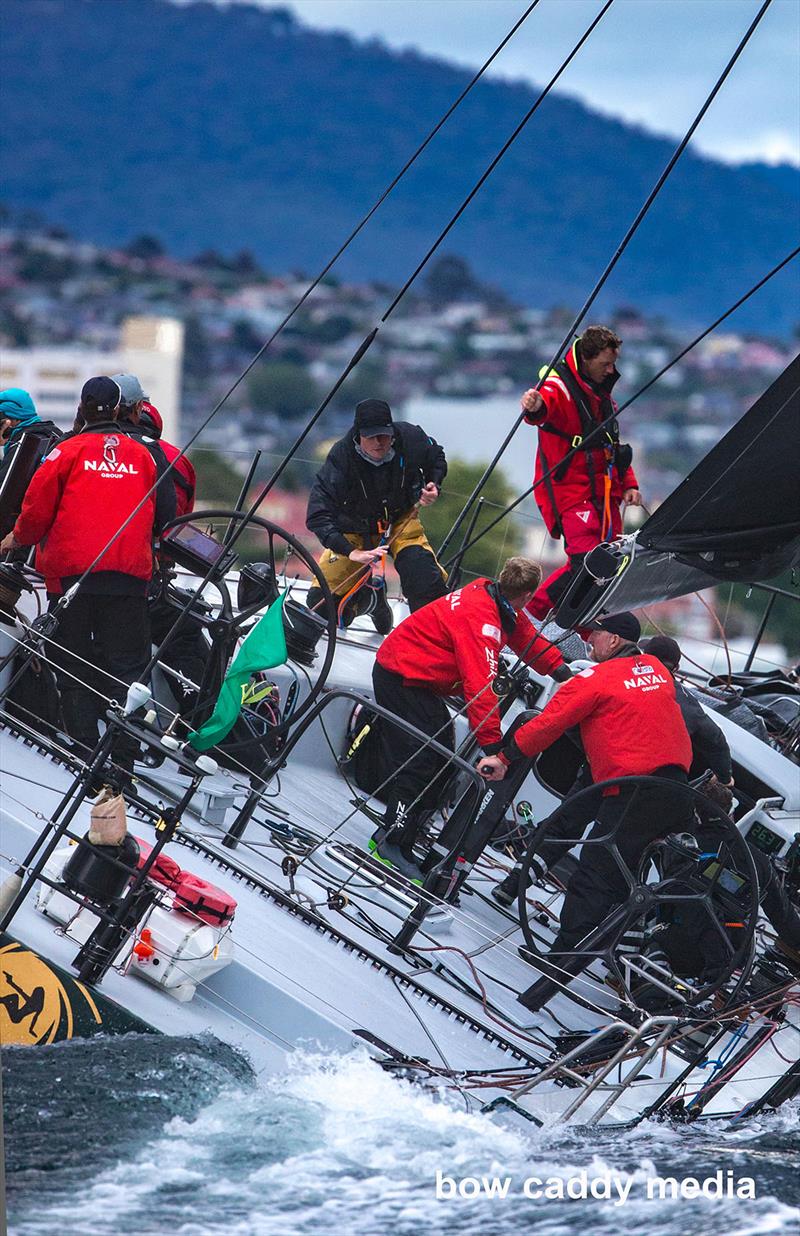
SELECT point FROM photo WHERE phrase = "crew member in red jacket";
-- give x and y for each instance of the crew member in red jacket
(183, 474)
(450, 646)
(630, 725)
(83, 493)
(137, 411)
(581, 499)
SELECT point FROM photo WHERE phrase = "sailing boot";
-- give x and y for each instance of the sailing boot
(381, 611)
(392, 843)
(506, 892)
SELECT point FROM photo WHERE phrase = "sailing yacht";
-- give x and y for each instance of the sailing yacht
(235, 894)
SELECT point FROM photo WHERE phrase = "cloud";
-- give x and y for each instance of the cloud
(648, 62)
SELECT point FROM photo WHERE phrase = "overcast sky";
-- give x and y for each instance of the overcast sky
(649, 61)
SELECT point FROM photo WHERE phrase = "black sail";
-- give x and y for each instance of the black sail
(738, 512)
(736, 517)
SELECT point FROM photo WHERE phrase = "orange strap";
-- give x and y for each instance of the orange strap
(369, 573)
(606, 526)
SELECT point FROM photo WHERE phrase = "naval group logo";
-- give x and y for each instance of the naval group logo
(35, 1005)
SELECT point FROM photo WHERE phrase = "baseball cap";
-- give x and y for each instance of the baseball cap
(373, 416)
(102, 394)
(130, 387)
(626, 625)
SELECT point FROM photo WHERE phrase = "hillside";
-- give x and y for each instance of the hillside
(237, 128)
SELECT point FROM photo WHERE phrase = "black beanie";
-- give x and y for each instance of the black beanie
(665, 648)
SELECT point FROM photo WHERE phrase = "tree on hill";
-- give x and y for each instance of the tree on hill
(145, 247)
(282, 387)
(488, 555)
(450, 279)
(218, 482)
(367, 381)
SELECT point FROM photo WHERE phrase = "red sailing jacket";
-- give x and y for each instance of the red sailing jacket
(574, 487)
(183, 474)
(452, 646)
(629, 718)
(83, 492)
(184, 478)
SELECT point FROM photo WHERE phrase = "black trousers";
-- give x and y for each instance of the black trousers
(690, 940)
(420, 770)
(112, 634)
(775, 901)
(187, 652)
(636, 816)
(420, 577)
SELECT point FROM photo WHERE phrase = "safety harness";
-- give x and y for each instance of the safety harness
(614, 452)
(373, 577)
(508, 615)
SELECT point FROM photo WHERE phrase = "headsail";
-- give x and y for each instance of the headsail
(735, 517)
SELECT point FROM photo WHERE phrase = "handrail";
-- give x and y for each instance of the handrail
(273, 766)
(57, 830)
(633, 1036)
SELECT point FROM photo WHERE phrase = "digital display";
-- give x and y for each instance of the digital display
(726, 879)
(197, 542)
(765, 839)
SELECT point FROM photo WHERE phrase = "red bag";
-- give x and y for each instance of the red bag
(164, 870)
(211, 904)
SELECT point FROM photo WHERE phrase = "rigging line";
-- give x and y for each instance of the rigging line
(502, 151)
(470, 921)
(755, 288)
(356, 230)
(203, 426)
(710, 643)
(366, 218)
(620, 250)
(623, 407)
(723, 636)
(435, 1045)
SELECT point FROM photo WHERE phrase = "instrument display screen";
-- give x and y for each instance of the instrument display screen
(765, 839)
(726, 879)
(197, 542)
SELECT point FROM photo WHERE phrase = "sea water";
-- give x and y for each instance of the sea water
(150, 1135)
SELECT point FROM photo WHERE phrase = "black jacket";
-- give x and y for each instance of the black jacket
(351, 495)
(46, 430)
(166, 501)
(709, 744)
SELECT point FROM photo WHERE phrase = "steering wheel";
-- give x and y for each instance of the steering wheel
(669, 874)
(286, 560)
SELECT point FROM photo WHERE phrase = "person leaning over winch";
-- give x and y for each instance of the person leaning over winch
(451, 646)
(710, 753)
(710, 750)
(88, 487)
(630, 725)
(581, 498)
(363, 506)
